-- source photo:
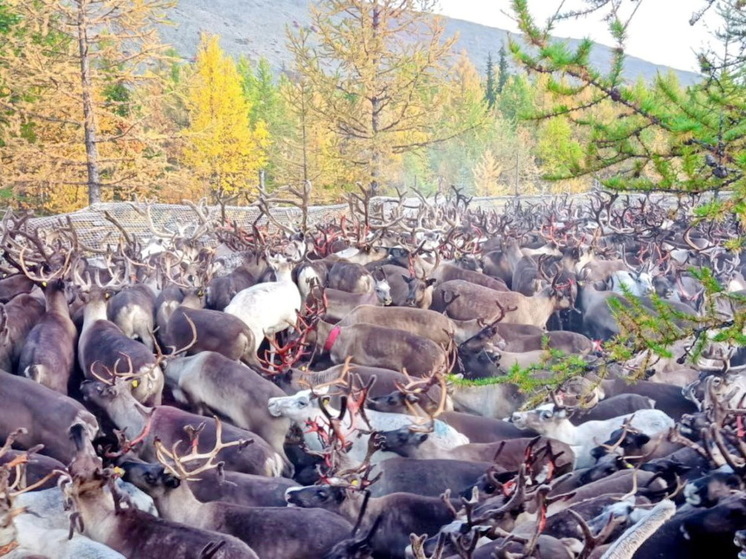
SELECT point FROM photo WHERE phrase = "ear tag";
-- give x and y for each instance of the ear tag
(135, 383)
(43, 284)
(325, 400)
(355, 482)
(119, 471)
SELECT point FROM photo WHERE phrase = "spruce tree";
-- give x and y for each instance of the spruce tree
(490, 85)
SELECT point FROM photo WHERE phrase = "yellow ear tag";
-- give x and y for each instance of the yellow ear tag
(43, 284)
(119, 471)
(135, 383)
(325, 400)
(355, 482)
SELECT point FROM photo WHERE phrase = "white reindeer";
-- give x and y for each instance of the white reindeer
(553, 423)
(304, 406)
(268, 308)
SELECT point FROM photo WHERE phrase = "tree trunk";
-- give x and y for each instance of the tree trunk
(89, 125)
(375, 121)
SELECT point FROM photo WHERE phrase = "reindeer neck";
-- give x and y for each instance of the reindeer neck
(351, 506)
(513, 253)
(130, 414)
(180, 505)
(191, 301)
(56, 299)
(94, 310)
(543, 304)
(96, 509)
(284, 274)
(323, 329)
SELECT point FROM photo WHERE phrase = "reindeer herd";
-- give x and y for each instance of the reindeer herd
(350, 391)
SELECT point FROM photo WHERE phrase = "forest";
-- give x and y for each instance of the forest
(94, 107)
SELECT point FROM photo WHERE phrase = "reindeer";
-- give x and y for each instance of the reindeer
(296, 534)
(378, 346)
(131, 532)
(551, 420)
(133, 310)
(268, 308)
(45, 415)
(211, 381)
(424, 323)
(169, 424)
(464, 301)
(214, 331)
(48, 355)
(397, 515)
(103, 349)
(17, 319)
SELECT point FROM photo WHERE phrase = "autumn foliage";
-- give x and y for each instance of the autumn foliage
(93, 107)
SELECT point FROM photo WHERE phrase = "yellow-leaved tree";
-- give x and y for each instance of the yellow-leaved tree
(71, 77)
(377, 66)
(223, 150)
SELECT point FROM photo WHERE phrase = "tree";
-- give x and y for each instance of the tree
(223, 149)
(704, 151)
(503, 72)
(656, 138)
(490, 84)
(376, 66)
(70, 72)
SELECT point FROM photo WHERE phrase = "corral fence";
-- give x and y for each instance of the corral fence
(95, 230)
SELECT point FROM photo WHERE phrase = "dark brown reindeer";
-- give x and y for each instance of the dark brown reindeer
(169, 424)
(17, 319)
(296, 534)
(99, 514)
(45, 414)
(214, 330)
(104, 349)
(398, 514)
(48, 355)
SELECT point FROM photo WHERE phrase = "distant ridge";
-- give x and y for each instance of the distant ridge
(256, 28)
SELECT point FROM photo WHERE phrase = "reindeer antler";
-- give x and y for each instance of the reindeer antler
(176, 464)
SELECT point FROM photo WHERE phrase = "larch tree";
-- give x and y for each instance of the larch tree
(370, 62)
(222, 148)
(70, 74)
(657, 138)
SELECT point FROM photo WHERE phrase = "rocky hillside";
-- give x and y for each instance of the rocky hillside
(256, 28)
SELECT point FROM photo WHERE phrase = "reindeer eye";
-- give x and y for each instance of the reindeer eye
(323, 494)
(302, 403)
(546, 414)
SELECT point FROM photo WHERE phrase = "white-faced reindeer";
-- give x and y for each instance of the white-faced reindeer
(306, 407)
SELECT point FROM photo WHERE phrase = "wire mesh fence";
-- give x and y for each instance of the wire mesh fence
(95, 230)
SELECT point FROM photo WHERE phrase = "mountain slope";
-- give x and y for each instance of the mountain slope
(256, 28)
